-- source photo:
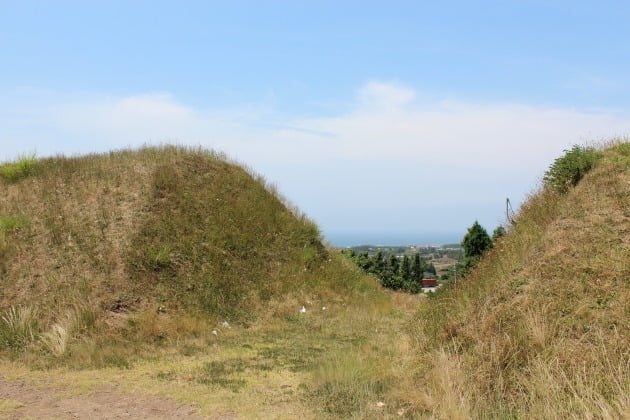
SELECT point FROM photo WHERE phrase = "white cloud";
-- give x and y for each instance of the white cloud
(380, 95)
(384, 125)
(436, 146)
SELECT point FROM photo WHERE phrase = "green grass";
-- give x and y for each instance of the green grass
(231, 239)
(23, 167)
(8, 223)
(223, 374)
(345, 383)
(271, 369)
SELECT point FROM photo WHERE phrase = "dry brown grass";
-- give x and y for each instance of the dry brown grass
(134, 260)
(333, 363)
(153, 245)
(540, 328)
(139, 256)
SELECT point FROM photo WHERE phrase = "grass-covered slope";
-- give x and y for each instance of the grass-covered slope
(541, 327)
(159, 229)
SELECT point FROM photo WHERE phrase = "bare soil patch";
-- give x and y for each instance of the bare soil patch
(104, 402)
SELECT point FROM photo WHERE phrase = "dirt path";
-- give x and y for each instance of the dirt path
(266, 371)
(19, 400)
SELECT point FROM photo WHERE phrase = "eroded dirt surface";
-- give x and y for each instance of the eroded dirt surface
(24, 401)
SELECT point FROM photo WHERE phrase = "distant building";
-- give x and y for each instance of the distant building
(429, 282)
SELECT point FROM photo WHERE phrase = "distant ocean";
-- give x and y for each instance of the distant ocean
(354, 239)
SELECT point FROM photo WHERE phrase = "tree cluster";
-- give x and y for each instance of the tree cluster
(394, 272)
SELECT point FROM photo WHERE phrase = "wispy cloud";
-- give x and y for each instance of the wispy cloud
(384, 124)
(447, 149)
(384, 96)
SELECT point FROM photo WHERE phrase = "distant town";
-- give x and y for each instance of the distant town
(442, 257)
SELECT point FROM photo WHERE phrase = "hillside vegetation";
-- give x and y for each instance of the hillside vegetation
(540, 328)
(176, 274)
(146, 246)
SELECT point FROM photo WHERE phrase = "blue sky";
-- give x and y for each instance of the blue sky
(377, 119)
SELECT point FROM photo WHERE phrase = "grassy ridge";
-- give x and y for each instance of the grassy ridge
(540, 328)
(219, 241)
(130, 260)
(146, 246)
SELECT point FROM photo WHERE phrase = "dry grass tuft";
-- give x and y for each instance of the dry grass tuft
(56, 340)
(18, 327)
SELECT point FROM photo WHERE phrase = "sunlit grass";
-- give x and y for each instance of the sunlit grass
(136, 261)
(535, 328)
(272, 369)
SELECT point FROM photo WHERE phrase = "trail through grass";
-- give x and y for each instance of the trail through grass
(332, 363)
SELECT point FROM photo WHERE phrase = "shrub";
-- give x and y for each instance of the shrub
(22, 168)
(18, 327)
(568, 170)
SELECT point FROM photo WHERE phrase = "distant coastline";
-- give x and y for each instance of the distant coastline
(342, 240)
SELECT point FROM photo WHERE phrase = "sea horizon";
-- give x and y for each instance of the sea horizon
(350, 239)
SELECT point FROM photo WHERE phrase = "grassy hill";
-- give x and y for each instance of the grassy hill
(540, 328)
(148, 245)
(122, 268)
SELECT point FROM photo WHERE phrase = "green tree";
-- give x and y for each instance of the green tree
(378, 264)
(498, 232)
(386, 277)
(394, 264)
(405, 269)
(413, 286)
(475, 243)
(394, 279)
(418, 266)
(414, 283)
(363, 261)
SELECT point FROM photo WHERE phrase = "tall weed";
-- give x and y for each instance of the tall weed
(18, 327)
